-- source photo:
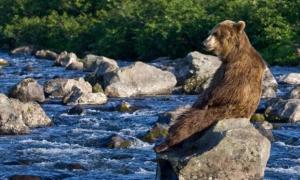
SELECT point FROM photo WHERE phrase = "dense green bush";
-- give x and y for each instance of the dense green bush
(146, 29)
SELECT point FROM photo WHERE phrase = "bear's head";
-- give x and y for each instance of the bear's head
(226, 37)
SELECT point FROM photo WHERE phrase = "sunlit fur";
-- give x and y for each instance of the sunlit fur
(235, 89)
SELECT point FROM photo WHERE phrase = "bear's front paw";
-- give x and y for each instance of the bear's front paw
(160, 148)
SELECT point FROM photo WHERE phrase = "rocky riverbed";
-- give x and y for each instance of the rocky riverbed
(75, 146)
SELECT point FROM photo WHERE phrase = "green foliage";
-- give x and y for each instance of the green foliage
(148, 29)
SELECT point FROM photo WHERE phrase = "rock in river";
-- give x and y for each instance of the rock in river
(139, 79)
(65, 59)
(231, 149)
(46, 54)
(61, 87)
(28, 90)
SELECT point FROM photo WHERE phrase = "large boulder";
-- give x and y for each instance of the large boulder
(269, 86)
(295, 93)
(291, 78)
(10, 121)
(65, 59)
(46, 54)
(195, 71)
(279, 110)
(231, 149)
(23, 50)
(61, 87)
(76, 96)
(91, 63)
(139, 79)
(32, 113)
(28, 90)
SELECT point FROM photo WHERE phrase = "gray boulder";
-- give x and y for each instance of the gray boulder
(76, 96)
(46, 54)
(231, 149)
(65, 59)
(91, 63)
(32, 113)
(28, 90)
(10, 121)
(139, 79)
(23, 50)
(291, 78)
(17, 117)
(61, 87)
(295, 93)
(269, 86)
(279, 110)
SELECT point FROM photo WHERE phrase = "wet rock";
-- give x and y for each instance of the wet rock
(291, 78)
(139, 79)
(77, 96)
(158, 131)
(75, 66)
(97, 88)
(91, 78)
(126, 107)
(3, 62)
(28, 90)
(257, 117)
(69, 166)
(23, 50)
(230, 149)
(269, 86)
(295, 93)
(61, 87)
(91, 63)
(65, 59)
(78, 110)
(116, 141)
(32, 113)
(104, 66)
(10, 121)
(28, 68)
(26, 177)
(280, 110)
(265, 128)
(46, 54)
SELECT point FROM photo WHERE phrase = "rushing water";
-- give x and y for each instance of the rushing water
(77, 139)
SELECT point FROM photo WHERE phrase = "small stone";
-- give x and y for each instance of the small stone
(97, 88)
(78, 109)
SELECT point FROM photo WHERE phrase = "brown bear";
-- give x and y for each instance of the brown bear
(235, 89)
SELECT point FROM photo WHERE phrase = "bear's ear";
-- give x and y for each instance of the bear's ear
(240, 26)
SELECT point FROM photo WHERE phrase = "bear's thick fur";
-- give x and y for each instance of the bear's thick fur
(236, 87)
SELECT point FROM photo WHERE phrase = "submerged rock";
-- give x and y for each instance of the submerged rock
(65, 59)
(116, 141)
(230, 149)
(76, 96)
(158, 131)
(46, 54)
(61, 87)
(23, 50)
(3, 62)
(78, 110)
(291, 78)
(28, 90)
(280, 110)
(139, 79)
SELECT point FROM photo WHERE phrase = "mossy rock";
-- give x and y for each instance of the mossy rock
(97, 88)
(3, 62)
(117, 141)
(194, 84)
(257, 117)
(157, 132)
(126, 107)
